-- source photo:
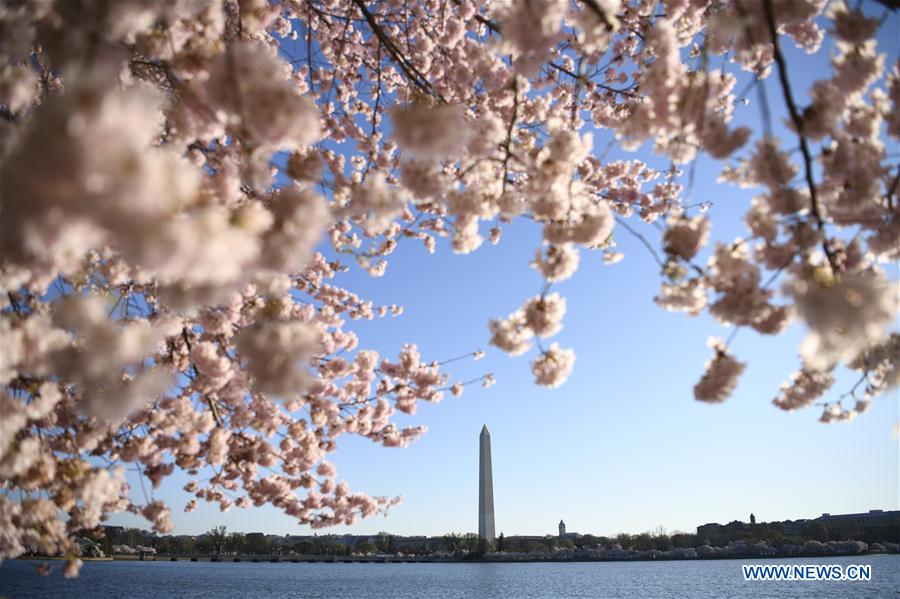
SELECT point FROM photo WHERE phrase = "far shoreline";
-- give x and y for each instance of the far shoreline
(425, 560)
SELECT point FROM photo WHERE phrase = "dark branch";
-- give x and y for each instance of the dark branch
(408, 68)
(797, 119)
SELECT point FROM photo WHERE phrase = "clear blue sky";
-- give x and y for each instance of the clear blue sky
(622, 446)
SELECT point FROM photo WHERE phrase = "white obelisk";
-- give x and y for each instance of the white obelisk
(485, 488)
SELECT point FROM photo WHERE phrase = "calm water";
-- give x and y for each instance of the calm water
(683, 579)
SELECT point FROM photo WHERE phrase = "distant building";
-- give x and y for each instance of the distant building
(844, 525)
(413, 541)
(113, 531)
(795, 528)
(533, 538)
(567, 535)
(839, 526)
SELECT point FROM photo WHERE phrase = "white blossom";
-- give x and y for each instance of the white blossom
(553, 367)
(721, 376)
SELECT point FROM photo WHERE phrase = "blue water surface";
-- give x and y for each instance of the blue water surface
(683, 579)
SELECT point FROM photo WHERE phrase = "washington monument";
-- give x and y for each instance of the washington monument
(485, 488)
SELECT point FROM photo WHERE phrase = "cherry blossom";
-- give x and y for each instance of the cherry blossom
(721, 376)
(804, 387)
(186, 183)
(553, 366)
(543, 315)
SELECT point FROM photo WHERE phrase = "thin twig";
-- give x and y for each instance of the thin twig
(643, 240)
(209, 401)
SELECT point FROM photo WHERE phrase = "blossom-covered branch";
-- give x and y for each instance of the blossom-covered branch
(182, 181)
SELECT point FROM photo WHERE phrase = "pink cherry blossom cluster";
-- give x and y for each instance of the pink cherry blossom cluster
(721, 376)
(172, 170)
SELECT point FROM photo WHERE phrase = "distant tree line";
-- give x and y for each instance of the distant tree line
(467, 545)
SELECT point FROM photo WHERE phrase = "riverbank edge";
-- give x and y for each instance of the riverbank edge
(414, 560)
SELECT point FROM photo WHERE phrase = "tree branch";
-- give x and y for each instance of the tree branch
(408, 68)
(642, 239)
(797, 119)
